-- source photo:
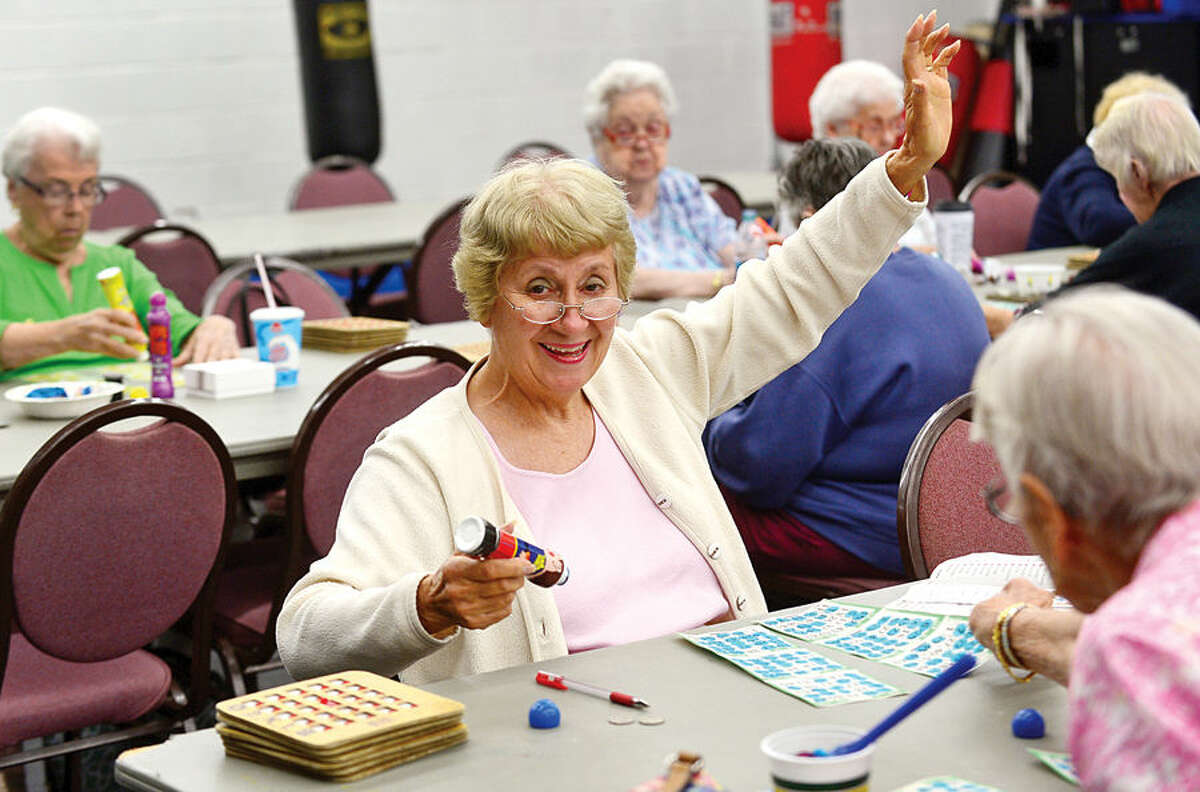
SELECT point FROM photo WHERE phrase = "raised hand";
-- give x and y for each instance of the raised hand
(928, 114)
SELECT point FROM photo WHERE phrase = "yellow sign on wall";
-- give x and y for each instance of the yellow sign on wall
(343, 30)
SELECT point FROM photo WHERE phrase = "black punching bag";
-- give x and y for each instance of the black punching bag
(341, 102)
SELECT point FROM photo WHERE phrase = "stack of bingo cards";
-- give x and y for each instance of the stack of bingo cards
(339, 727)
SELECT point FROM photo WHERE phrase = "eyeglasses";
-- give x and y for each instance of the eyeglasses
(58, 194)
(544, 312)
(996, 496)
(876, 124)
(626, 135)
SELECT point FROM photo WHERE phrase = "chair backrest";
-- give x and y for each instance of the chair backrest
(339, 181)
(180, 257)
(237, 291)
(941, 187)
(725, 195)
(345, 419)
(1004, 205)
(533, 149)
(126, 203)
(432, 296)
(941, 511)
(107, 538)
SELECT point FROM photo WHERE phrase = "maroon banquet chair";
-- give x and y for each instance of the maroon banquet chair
(726, 196)
(343, 421)
(1004, 206)
(236, 292)
(126, 203)
(533, 150)
(432, 296)
(338, 180)
(941, 512)
(941, 187)
(107, 539)
(181, 259)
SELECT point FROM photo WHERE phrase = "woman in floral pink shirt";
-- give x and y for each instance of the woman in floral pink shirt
(1091, 408)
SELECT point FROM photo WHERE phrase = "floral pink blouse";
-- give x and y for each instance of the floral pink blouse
(1135, 679)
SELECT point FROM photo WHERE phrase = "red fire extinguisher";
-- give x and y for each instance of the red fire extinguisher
(806, 40)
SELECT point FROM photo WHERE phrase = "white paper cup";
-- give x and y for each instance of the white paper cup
(790, 771)
(277, 333)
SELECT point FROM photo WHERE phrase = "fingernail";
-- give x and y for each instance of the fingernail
(529, 569)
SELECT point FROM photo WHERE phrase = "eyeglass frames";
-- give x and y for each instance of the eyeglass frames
(626, 136)
(59, 194)
(996, 495)
(544, 312)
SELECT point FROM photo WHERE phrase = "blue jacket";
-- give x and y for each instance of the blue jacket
(825, 440)
(1079, 205)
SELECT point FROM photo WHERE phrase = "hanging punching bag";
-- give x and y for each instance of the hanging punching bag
(341, 102)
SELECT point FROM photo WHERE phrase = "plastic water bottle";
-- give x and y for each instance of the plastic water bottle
(751, 243)
(162, 384)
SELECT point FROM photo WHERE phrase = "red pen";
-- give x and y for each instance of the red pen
(562, 683)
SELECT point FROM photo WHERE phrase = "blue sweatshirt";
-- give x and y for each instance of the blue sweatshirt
(1079, 205)
(825, 440)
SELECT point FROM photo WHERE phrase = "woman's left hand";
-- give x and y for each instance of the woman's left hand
(928, 113)
(213, 339)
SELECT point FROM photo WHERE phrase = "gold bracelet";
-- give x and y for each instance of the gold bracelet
(1001, 645)
(717, 282)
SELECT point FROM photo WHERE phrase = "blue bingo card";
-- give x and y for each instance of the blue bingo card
(799, 672)
(885, 634)
(1058, 762)
(946, 784)
(937, 651)
(822, 619)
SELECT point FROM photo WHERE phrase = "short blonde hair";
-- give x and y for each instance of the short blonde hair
(1157, 130)
(1135, 82)
(553, 207)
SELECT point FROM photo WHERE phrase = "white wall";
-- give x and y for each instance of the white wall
(872, 28)
(200, 99)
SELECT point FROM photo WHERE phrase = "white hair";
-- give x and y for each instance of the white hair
(849, 87)
(48, 123)
(1096, 396)
(623, 76)
(1155, 129)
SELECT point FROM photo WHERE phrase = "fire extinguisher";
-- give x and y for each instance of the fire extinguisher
(806, 41)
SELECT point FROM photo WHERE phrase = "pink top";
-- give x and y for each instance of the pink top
(1135, 678)
(634, 575)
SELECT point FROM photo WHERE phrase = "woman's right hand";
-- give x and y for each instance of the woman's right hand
(102, 330)
(467, 592)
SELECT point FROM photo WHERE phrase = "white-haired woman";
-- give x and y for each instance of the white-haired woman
(684, 240)
(1091, 408)
(865, 100)
(53, 313)
(1150, 143)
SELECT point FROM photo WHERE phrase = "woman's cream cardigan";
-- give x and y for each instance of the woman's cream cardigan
(656, 389)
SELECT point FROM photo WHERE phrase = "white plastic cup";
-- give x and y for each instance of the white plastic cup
(955, 222)
(790, 771)
(277, 334)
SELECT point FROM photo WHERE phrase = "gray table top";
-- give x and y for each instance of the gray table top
(710, 707)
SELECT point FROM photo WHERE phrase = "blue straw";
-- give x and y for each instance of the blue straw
(936, 685)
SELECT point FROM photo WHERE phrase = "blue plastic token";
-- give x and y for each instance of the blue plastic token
(544, 714)
(1027, 724)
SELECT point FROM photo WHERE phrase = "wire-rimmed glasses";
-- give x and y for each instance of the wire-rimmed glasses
(544, 312)
(626, 136)
(996, 496)
(57, 193)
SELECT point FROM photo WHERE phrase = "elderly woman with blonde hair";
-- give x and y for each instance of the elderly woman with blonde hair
(685, 243)
(581, 437)
(1091, 409)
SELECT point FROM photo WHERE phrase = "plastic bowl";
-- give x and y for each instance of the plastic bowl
(74, 404)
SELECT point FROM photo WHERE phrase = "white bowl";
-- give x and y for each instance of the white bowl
(74, 404)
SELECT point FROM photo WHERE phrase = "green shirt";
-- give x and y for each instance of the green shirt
(31, 292)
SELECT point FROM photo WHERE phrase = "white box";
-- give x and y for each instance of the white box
(221, 379)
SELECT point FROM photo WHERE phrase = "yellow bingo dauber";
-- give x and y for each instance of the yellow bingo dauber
(112, 282)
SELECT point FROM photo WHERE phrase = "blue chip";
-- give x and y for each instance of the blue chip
(544, 714)
(1028, 725)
